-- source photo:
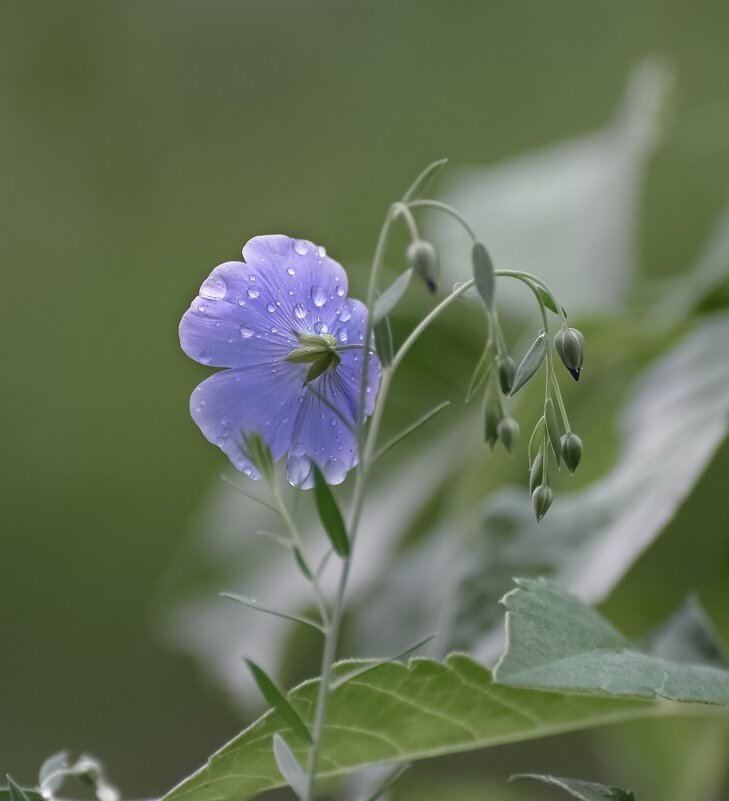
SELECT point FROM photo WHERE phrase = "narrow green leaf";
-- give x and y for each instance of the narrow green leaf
(289, 766)
(6, 793)
(329, 514)
(553, 432)
(16, 793)
(278, 701)
(382, 717)
(251, 603)
(420, 184)
(548, 300)
(411, 428)
(301, 564)
(383, 341)
(388, 782)
(557, 642)
(391, 296)
(483, 274)
(481, 372)
(585, 791)
(375, 663)
(530, 363)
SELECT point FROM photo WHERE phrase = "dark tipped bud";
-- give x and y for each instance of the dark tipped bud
(423, 258)
(569, 344)
(507, 371)
(571, 451)
(508, 433)
(541, 500)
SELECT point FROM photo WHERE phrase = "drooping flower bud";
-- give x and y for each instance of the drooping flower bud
(569, 344)
(508, 433)
(571, 451)
(423, 258)
(541, 500)
(507, 371)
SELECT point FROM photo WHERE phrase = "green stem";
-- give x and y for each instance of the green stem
(533, 282)
(446, 209)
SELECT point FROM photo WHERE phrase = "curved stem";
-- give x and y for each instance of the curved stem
(403, 210)
(533, 282)
(446, 209)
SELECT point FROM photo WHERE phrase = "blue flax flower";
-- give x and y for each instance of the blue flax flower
(275, 320)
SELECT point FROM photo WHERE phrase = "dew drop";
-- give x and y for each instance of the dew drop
(291, 271)
(297, 449)
(214, 288)
(321, 251)
(334, 471)
(321, 328)
(300, 311)
(201, 308)
(333, 422)
(224, 420)
(248, 471)
(300, 247)
(271, 307)
(318, 295)
(346, 314)
(298, 470)
(340, 291)
(246, 331)
(253, 292)
(206, 356)
(220, 442)
(343, 336)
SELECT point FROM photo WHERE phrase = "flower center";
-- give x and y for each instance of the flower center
(319, 351)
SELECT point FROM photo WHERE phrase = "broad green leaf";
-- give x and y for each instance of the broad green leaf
(329, 514)
(398, 713)
(530, 363)
(279, 702)
(585, 791)
(483, 273)
(557, 642)
(391, 296)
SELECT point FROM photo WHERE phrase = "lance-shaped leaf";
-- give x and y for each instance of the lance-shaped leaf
(383, 341)
(329, 514)
(16, 793)
(585, 791)
(483, 274)
(279, 702)
(289, 766)
(391, 296)
(530, 363)
(555, 641)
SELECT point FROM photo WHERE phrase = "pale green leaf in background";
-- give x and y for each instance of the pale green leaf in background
(585, 791)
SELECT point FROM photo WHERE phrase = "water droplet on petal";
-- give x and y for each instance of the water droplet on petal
(291, 271)
(300, 311)
(206, 356)
(334, 471)
(318, 295)
(214, 288)
(248, 471)
(271, 307)
(246, 331)
(333, 422)
(224, 420)
(340, 291)
(345, 314)
(321, 328)
(220, 442)
(297, 449)
(253, 292)
(298, 470)
(343, 335)
(321, 251)
(301, 247)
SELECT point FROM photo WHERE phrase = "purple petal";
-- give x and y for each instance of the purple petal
(262, 398)
(248, 313)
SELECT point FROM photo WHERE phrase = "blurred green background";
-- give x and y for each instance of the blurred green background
(142, 143)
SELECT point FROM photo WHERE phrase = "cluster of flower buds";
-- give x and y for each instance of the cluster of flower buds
(552, 441)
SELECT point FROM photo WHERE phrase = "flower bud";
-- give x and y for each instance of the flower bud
(536, 472)
(423, 258)
(508, 432)
(256, 450)
(507, 371)
(571, 451)
(569, 344)
(542, 500)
